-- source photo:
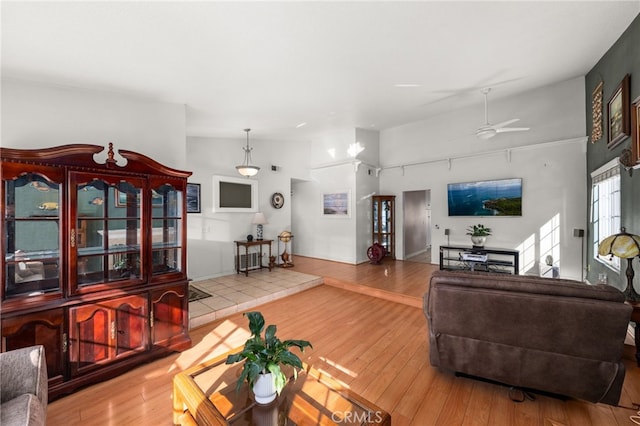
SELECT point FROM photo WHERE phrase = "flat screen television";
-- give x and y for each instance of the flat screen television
(501, 197)
(234, 194)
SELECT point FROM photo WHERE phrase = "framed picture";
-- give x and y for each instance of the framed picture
(501, 197)
(596, 112)
(618, 113)
(193, 198)
(336, 204)
(635, 130)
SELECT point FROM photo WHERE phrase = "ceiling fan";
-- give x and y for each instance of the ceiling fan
(489, 130)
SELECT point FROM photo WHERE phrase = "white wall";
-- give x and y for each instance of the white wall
(367, 183)
(211, 234)
(333, 169)
(553, 172)
(554, 176)
(38, 116)
(325, 237)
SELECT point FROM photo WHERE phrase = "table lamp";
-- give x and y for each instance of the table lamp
(259, 220)
(624, 246)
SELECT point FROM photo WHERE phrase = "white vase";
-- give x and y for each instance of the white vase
(264, 389)
(478, 241)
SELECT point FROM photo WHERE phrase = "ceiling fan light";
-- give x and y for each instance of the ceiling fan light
(485, 133)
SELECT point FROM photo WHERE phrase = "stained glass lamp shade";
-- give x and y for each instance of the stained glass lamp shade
(624, 246)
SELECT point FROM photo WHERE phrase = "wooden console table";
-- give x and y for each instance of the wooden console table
(246, 244)
(480, 259)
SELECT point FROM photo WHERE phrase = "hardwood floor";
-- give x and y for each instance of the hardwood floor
(377, 347)
(398, 281)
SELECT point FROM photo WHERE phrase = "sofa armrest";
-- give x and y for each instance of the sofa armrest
(426, 308)
(24, 371)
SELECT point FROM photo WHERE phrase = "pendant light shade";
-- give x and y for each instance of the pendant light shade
(246, 169)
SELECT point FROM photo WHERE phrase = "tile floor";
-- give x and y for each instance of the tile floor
(237, 292)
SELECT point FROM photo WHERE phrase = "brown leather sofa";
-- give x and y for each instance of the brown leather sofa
(557, 336)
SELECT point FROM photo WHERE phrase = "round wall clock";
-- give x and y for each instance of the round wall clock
(277, 200)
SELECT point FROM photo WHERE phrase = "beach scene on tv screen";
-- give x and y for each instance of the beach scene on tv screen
(486, 198)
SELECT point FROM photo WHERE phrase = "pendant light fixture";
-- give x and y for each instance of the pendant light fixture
(246, 169)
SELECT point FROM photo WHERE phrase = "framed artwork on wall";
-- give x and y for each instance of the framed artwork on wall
(618, 113)
(193, 198)
(635, 131)
(336, 204)
(500, 197)
(596, 111)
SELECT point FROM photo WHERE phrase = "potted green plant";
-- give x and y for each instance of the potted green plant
(479, 234)
(263, 358)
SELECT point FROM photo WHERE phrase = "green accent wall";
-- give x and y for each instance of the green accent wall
(622, 58)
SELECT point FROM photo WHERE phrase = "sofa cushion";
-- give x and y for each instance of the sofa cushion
(537, 313)
(23, 410)
(531, 285)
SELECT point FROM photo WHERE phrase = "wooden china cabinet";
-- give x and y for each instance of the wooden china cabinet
(383, 223)
(93, 260)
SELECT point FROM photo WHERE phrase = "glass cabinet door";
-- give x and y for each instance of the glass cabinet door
(106, 238)
(382, 225)
(166, 212)
(32, 213)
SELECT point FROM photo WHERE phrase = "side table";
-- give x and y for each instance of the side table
(635, 317)
(246, 244)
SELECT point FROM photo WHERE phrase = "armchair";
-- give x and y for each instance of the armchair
(23, 387)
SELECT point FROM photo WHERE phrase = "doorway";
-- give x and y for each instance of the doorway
(416, 214)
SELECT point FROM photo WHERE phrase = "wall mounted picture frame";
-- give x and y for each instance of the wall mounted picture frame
(336, 204)
(618, 114)
(635, 130)
(193, 198)
(121, 199)
(596, 113)
(498, 197)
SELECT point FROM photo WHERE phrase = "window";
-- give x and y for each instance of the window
(605, 207)
(550, 247)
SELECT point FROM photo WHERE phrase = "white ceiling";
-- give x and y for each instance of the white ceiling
(333, 65)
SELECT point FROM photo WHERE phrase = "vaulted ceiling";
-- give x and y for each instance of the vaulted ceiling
(273, 66)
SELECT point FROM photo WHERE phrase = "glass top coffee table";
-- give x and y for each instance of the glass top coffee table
(206, 395)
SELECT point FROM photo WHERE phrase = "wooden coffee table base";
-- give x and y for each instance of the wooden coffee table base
(206, 395)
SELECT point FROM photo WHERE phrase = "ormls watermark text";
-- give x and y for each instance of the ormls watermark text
(368, 417)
